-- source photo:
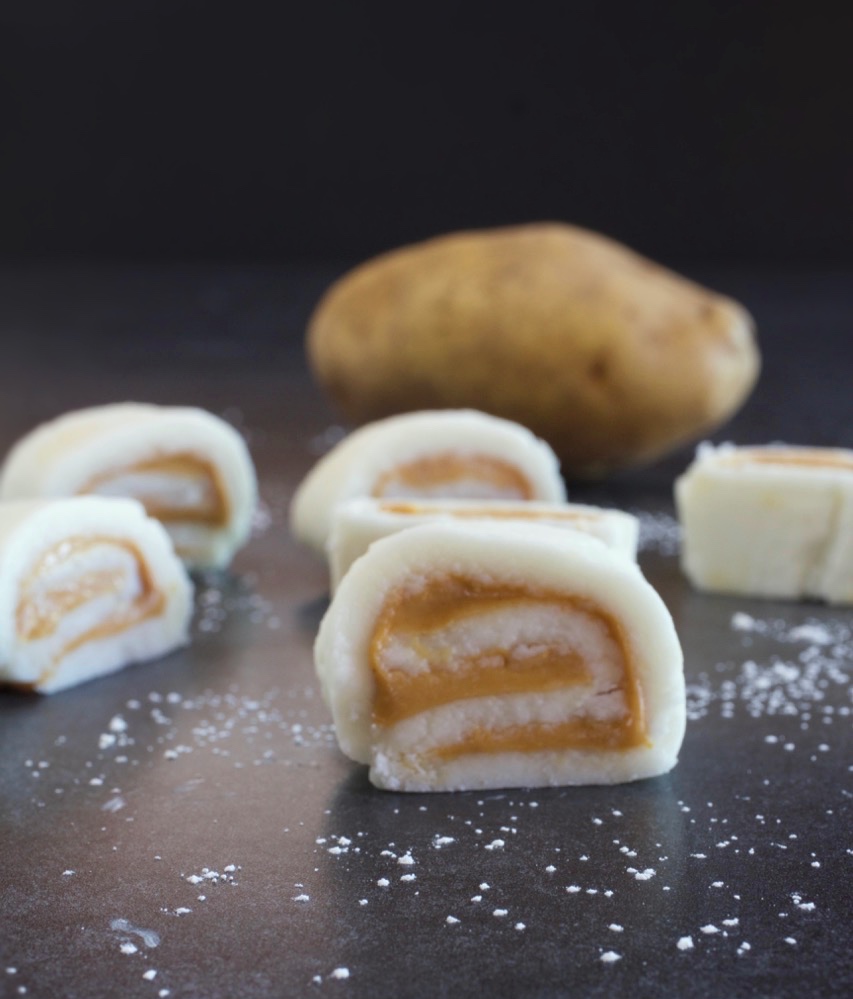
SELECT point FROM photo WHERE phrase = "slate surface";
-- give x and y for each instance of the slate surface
(189, 828)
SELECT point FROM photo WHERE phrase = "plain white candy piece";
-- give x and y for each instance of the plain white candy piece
(357, 523)
(115, 450)
(356, 465)
(87, 586)
(403, 755)
(773, 521)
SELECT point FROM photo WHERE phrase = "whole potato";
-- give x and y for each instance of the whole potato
(609, 357)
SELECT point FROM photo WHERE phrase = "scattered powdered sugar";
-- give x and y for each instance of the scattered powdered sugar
(149, 937)
(209, 876)
(812, 632)
(797, 899)
(215, 604)
(659, 532)
(645, 875)
(790, 685)
(610, 957)
(262, 518)
(685, 943)
(226, 726)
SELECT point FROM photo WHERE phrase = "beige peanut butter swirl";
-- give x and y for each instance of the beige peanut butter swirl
(797, 457)
(61, 582)
(521, 511)
(180, 487)
(416, 670)
(474, 474)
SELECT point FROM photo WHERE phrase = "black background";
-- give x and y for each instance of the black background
(183, 129)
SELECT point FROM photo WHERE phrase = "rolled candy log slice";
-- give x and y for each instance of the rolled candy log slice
(190, 469)
(87, 586)
(457, 453)
(460, 656)
(357, 523)
(772, 521)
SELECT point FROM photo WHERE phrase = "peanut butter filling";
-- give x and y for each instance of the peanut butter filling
(581, 733)
(411, 618)
(452, 470)
(212, 506)
(802, 457)
(520, 512)
(39, 614)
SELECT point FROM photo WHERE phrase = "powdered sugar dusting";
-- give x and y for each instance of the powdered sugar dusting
(660, 532)
(817, 655)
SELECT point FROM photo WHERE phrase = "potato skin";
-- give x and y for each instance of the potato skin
(612, 359)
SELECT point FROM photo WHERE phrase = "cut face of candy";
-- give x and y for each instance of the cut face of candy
(87, 586)
(439, 454)
(457, 639)
(172, 488)
(449, 474)
(472, 655)
(82, 590)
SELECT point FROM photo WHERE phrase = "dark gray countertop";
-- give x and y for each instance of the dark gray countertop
(192, 820)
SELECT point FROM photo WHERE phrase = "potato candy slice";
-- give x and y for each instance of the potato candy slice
(190, 470)
(461, 656)
(769, 521)
(87, 586)
(359, 522)
(444, 453)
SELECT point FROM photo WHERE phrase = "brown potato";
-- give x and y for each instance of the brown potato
(611, 358)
